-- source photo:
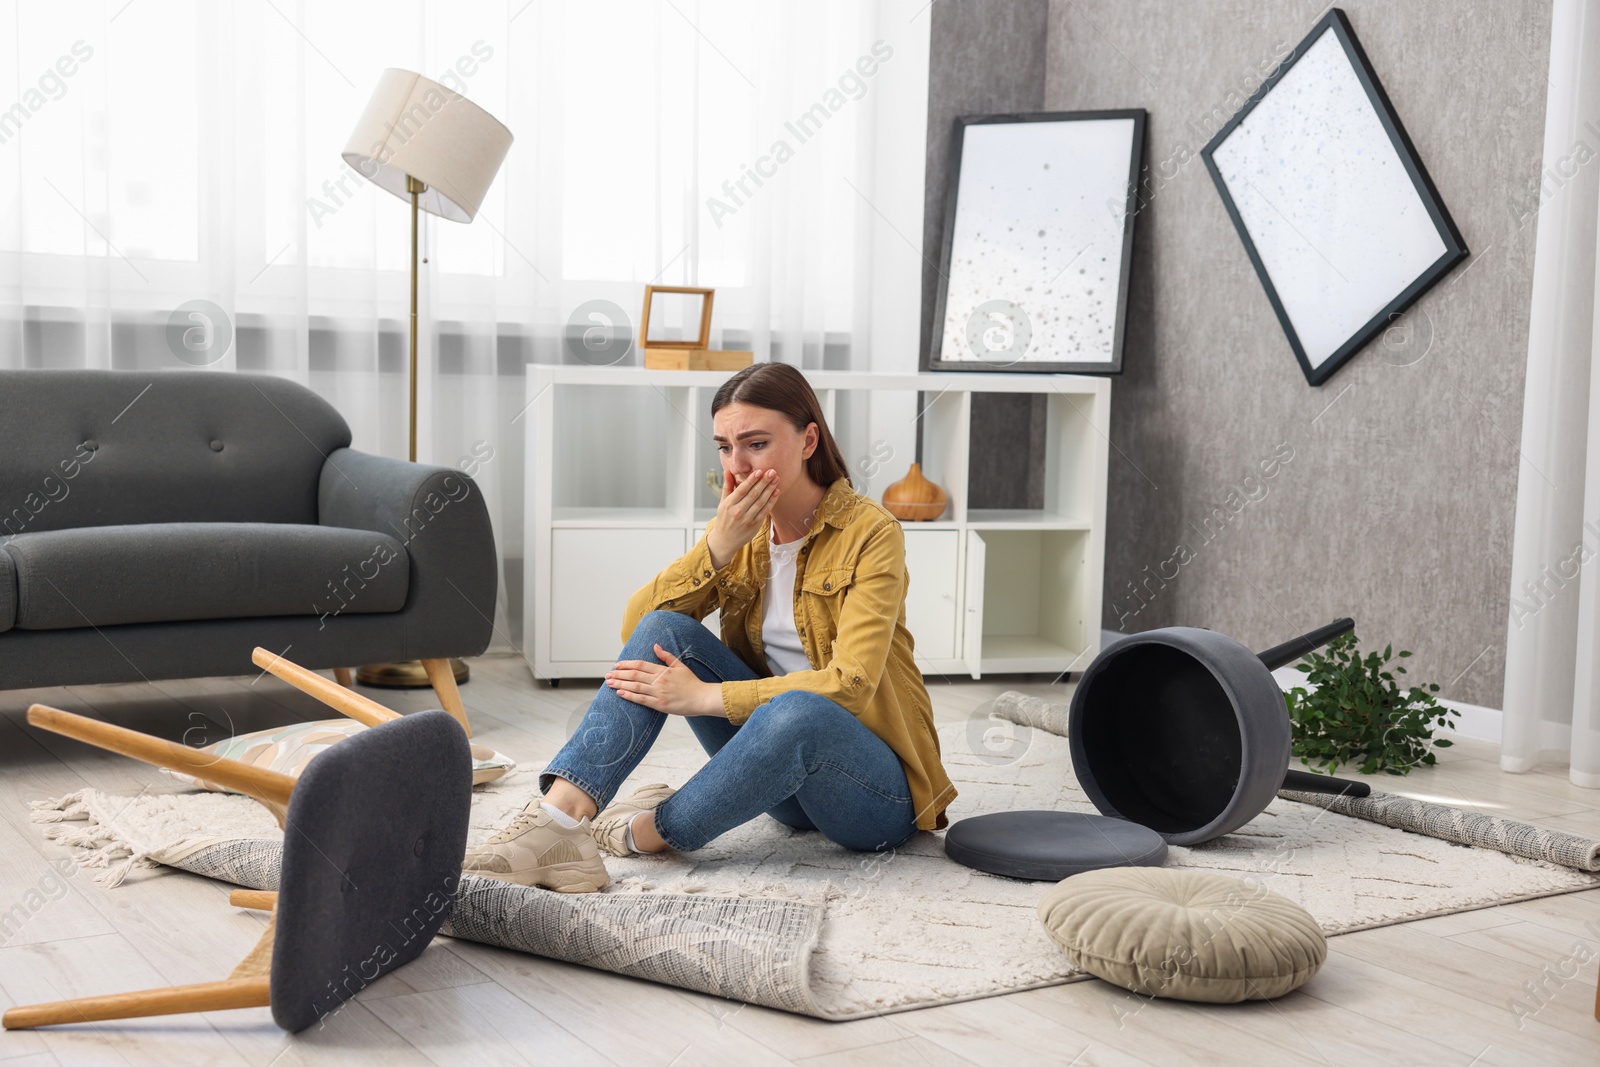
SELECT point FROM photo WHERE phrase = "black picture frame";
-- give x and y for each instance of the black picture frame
(1118, 203)
(1320, 365)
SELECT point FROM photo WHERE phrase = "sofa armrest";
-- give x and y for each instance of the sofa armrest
(438, 514)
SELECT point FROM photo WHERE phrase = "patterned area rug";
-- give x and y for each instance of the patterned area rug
(786, 919)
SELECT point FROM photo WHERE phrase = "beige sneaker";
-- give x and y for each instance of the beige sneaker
(610, 827)
(536, 850)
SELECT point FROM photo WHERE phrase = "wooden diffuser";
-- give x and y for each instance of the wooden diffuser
(914, 498)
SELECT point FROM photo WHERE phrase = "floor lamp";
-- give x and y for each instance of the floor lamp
(434, 147)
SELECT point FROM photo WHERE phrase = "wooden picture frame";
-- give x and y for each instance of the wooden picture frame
(1323, 175)
(702, 341)
(1063, 185)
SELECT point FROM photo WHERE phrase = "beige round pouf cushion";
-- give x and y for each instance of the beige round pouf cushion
(1189, 935)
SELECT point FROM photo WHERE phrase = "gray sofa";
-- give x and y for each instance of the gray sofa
(162, 524)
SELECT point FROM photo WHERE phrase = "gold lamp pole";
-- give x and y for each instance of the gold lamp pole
(411, 673)
(416, 189)
(416, 137)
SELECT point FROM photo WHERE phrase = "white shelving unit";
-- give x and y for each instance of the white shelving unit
(992, 591)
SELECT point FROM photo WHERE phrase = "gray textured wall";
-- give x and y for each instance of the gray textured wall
(987, 58)
(1397, 505)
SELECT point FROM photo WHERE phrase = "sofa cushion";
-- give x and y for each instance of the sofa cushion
(109, 447)
(8, 592)
(168, 572)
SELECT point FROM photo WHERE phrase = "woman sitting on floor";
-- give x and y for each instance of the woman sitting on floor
(810, 707)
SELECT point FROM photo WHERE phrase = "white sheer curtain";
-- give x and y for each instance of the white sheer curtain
(1552, 697)
(163, 151)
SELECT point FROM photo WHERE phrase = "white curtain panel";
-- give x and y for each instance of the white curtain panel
(158, 152)
(1552, 696)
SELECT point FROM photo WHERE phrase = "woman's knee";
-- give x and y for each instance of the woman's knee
(654, 625)
(791, 714)
(662, 617)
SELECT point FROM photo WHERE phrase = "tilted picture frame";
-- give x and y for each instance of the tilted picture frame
(1335, 209)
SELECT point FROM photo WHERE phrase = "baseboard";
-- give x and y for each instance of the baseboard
(1476, 721)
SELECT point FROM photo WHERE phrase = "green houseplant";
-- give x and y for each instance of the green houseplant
(1352, 711)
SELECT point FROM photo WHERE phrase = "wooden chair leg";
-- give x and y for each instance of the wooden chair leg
(269, 787)
(342, 676)
(254, 899)
(247, 987)
(204, 996)
(341, 699)
(444, 687)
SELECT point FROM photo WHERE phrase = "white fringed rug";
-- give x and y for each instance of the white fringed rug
(771, 916)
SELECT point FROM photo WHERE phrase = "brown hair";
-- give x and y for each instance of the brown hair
(782, 388)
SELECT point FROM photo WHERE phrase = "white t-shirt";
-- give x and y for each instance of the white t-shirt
(780, 641)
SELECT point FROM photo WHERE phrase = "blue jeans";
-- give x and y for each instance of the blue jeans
(800, 757)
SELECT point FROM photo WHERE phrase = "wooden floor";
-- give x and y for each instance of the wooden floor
(1507, 985)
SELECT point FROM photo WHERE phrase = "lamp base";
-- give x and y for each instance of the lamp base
(406, 675)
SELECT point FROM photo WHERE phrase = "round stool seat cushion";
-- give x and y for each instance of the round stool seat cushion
(1051, 845)
(1184, 934)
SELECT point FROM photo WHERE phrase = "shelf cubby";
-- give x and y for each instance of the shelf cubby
(1033, 616)
(1072, 478)
(617, 470)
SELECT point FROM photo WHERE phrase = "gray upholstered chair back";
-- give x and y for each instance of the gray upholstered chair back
(99, 448)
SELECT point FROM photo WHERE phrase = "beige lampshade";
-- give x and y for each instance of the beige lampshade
(413, 126)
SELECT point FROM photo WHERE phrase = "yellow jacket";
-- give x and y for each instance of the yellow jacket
(850, 613)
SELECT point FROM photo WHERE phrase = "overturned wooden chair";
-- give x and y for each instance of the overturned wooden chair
(375, 829)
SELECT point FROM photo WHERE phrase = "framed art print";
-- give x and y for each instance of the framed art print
(1336, 212)
(1038, 241)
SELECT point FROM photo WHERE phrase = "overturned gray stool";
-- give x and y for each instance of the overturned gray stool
(375, 829)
